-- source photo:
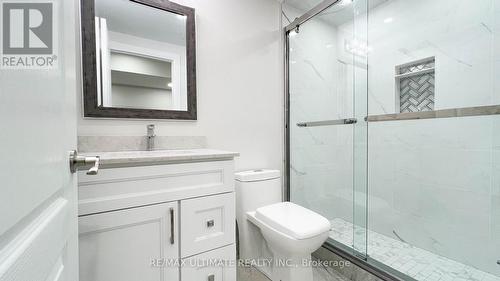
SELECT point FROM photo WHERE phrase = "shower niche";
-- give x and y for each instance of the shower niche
(415, 86)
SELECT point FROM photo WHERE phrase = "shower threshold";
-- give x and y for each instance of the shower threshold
(409, 260)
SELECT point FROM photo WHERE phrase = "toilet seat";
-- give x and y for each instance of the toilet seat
(293, 220)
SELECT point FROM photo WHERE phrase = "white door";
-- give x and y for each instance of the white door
(38, 211)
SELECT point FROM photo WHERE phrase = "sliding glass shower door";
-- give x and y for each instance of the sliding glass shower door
(394, 131)
(434, 172)
(327, 131)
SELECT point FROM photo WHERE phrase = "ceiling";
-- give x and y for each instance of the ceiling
(135, 19)
(337, 14)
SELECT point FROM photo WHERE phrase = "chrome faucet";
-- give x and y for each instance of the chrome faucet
(151, 137)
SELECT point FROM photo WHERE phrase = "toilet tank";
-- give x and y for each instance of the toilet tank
(257, 188)
(254, 189)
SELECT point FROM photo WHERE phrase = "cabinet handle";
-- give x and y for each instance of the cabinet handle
(172, 226)
(210, 223)
(211, 277)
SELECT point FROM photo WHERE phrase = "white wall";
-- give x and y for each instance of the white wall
(141, 97)
(239, 79)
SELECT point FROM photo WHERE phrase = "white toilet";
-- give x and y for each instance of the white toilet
(290, 231)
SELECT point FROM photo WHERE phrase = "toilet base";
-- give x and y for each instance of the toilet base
(292, 268)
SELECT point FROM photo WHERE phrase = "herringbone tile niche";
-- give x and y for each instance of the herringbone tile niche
(415, 85)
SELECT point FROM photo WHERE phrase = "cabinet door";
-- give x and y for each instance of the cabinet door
(216, 265)
(129, 245)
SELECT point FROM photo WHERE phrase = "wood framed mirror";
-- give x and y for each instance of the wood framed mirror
(138, 59)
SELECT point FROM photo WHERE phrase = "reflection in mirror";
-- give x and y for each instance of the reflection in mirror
(141, 56)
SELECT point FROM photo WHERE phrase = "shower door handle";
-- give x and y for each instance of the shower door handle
(328, 122)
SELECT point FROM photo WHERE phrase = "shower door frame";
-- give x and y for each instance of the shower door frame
(295, 25)
(364, 262)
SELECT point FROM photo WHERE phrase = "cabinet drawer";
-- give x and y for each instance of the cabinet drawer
(207, 223)
(128, 187)
(206, 266)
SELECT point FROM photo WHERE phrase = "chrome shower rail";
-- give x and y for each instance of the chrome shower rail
(328, 122)
(434, 114)
(310, 14)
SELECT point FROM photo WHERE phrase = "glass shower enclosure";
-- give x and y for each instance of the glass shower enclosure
(393, 131)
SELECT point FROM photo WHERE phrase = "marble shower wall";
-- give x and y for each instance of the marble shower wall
(462, 35)
(435, 183)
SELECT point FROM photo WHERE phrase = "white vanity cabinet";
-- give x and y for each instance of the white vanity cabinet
(141, 223)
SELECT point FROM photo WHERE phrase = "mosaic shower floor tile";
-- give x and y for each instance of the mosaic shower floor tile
(417, 263)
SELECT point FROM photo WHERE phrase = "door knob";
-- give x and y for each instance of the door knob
(77, 162)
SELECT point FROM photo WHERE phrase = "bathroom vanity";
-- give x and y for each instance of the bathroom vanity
(146, 212)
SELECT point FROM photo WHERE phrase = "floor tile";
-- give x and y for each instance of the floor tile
(412, 261)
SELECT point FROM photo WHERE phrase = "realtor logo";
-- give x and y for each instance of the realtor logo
(28, 35)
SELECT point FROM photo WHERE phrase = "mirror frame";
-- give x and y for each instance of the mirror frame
(89, 66)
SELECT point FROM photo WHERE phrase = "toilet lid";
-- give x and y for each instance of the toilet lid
(293, 220)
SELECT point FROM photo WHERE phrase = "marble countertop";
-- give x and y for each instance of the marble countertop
(156, 157)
